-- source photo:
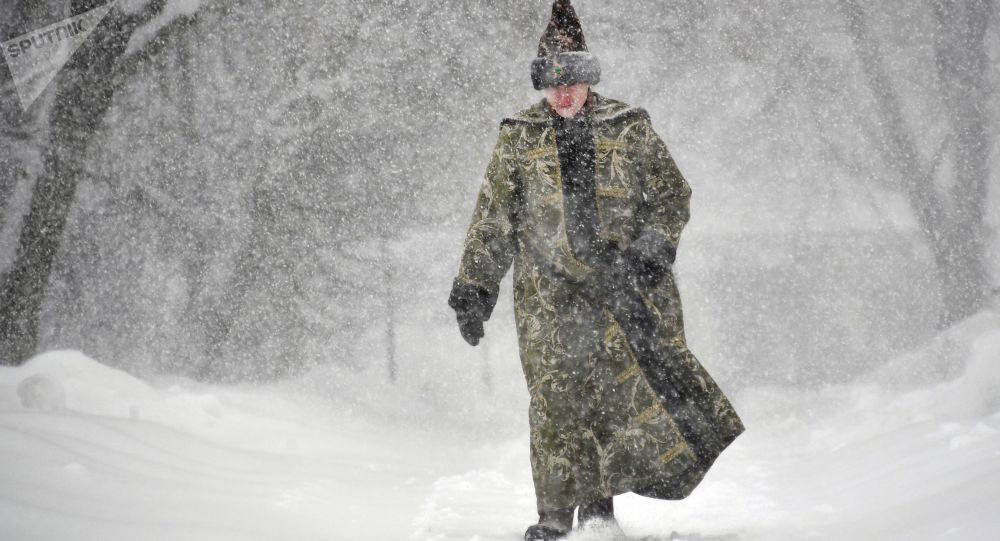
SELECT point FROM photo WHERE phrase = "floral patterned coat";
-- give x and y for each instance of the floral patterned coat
(607, 414)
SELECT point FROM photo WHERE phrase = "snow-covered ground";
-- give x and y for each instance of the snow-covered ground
(910, 452)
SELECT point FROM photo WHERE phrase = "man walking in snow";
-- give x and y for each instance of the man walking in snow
(582, 197)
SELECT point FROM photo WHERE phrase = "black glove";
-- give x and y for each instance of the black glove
(611, 271)
(471, 327)
(617, 268)
(473, 305)
(647, 272)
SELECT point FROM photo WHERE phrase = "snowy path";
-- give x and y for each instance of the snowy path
(97, 454)
(928, 480)
(125, 460)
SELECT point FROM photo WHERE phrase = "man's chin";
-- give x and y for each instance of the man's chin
(565, 112)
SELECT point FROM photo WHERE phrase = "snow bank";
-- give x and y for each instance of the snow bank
(90, 452)
(87, 451)
(901, 454)
(71, 380)
(966, 358)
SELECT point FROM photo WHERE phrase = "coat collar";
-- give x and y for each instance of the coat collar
(600, 108)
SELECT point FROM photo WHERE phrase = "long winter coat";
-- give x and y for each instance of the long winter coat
(617, 402)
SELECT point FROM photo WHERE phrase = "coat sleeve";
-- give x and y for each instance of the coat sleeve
(666, 200)
(489, 244)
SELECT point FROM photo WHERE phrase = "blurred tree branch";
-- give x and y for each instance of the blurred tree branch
(85, 90)
(952, 220)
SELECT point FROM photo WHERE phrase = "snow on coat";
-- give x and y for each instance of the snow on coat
(606, 415)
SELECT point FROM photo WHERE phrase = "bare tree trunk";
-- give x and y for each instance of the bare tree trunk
(220, 319)
(962, 65)
(221, 322)
(953, 223)
(85, 91)
(20, 130)
(12, 124)
(389, 304)
(196, 263)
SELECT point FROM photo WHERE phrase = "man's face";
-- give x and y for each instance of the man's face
(567, 100)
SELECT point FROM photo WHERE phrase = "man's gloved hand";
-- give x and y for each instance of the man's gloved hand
(647, 272)
(611, 271)
(471, 327)
(617, 268)
(473, 305)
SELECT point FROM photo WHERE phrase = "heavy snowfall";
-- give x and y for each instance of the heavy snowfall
(228, 231)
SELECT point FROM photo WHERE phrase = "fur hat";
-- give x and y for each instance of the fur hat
(563, 58)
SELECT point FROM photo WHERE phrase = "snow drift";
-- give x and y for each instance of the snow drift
(910, 452)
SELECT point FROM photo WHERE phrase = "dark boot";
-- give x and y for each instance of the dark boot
(600, 510)
(599, 517)
(552, 525)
